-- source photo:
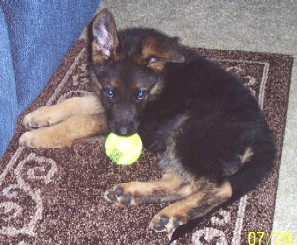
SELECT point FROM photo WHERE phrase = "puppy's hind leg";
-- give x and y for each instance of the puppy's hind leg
(46, 116)
(65, 133)
(196, 205)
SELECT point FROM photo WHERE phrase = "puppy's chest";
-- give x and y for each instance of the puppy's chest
(157, 132)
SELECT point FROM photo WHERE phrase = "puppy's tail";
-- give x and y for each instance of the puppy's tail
(257, 169)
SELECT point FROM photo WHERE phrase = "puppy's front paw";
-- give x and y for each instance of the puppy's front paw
(42, 138)
(29, 139)
(168, 219)
(164, 223)
(119, 195)
(42, 117)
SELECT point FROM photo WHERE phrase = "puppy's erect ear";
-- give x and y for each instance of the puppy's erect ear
(105, 36)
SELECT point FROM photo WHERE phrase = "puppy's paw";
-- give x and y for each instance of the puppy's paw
(120, 195)
(166, 221)
(27, 140)
(42, 117)
(42, 138)
(164, 224)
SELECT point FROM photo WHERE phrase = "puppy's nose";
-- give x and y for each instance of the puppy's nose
(123, 131)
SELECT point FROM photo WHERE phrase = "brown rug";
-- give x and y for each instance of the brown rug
(54, 196)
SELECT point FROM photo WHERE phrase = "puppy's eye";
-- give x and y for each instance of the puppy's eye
(152, 60)
(141, 94)
(109, 93)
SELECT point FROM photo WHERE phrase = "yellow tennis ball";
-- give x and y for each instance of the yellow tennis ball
(123, 150)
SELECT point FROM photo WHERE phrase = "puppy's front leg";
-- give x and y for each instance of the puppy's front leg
(170, 188)
(65, 133)
(46, 116)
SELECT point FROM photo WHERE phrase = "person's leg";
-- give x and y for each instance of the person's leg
(39, 33)
(8, 101)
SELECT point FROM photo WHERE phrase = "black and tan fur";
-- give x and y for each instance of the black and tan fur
(213, 138)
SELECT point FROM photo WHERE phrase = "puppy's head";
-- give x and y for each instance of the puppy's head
(129, 68)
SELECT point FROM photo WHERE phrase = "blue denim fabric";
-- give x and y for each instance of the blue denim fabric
(8, 100)
(34, 37)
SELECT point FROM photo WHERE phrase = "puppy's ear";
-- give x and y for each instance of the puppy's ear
(105, 38)
(157, 51)
(172, 51)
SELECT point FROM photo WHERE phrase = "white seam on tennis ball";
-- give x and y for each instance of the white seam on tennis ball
(110, 140)
(127, 157)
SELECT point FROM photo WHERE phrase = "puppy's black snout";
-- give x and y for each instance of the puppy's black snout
(123, 131)
(124, 128)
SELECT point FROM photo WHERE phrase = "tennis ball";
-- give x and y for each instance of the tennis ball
(123, 150)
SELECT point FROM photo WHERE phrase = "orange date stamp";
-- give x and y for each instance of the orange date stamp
(279, 238)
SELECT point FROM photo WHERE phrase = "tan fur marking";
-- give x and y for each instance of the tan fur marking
(246, 157)
(50, 115)
(150, 48)
(65, 133)
(170, 183)
(157, 66)
(196, 205)
(170, 188)
(97, 57)
(179, 210)
(225, 190)
(156, 89)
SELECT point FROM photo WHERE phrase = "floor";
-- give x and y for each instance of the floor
(265, 26)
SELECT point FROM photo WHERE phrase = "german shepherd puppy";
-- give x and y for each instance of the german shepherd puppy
(214, 142)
